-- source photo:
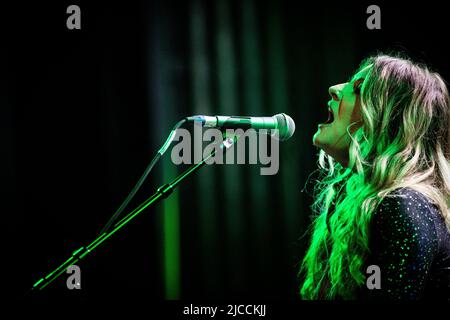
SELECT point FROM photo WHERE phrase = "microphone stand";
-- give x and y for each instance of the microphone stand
(162, 192)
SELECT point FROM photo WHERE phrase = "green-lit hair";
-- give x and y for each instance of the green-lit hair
(403, 141)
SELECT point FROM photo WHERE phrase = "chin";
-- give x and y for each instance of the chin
(314, 140)
(318, 140)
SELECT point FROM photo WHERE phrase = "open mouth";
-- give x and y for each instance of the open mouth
(330, 116)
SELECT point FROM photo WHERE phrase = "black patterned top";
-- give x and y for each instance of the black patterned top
(410, 243)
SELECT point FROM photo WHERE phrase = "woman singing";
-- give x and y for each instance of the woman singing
(383, 196)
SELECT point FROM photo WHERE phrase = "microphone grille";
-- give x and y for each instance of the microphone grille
(285, 125)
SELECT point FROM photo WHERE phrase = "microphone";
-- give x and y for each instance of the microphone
(280, 121)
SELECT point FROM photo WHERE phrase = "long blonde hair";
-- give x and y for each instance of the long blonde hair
(403, 142)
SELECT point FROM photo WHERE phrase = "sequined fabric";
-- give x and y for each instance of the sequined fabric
(410, 243)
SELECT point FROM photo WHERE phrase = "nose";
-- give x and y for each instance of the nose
(336, 91)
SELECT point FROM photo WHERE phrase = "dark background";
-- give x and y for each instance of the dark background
(84, 111)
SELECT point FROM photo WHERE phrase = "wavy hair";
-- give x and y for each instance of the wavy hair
(403, 141)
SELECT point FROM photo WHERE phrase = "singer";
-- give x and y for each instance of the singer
(383, 195)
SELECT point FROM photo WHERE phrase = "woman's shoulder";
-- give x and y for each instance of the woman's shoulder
(408, 193)
(409, 244)
(408, 201)
(407, 211)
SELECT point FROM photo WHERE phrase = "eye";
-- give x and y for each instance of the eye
(357, 86)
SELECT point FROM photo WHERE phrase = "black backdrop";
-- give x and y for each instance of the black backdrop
(83, 111)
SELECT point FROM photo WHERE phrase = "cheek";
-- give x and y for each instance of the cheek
(349, 112)
(356, 112)
(346, 110)
(347, 124)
